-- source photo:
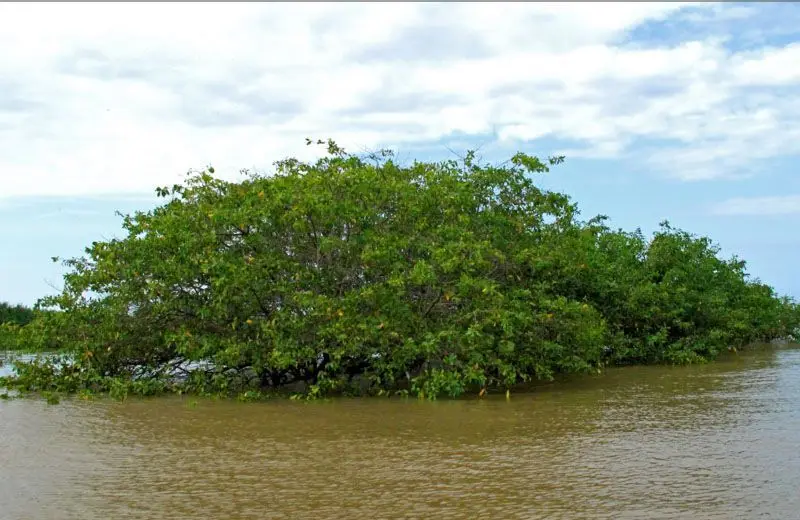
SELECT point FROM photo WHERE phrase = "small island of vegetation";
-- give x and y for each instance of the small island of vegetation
(359, 275)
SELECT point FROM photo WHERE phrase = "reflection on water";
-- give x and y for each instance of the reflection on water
(702, 442)
(5, 363)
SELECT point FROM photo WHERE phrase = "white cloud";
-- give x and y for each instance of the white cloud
(769, 66)
(99, 98)
(777, 205)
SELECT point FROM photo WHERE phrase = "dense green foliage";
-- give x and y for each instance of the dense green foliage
(17, 314)
(357, 274)
(12, 317)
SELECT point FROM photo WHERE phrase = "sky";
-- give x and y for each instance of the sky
(688, 112)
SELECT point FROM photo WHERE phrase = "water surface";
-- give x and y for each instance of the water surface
(702, 442)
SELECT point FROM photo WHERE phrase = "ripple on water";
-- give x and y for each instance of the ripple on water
(716, 441)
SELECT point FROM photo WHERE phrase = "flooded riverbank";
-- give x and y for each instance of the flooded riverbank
(701, 442)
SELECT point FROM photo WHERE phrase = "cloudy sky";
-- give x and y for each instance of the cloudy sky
(681, 111)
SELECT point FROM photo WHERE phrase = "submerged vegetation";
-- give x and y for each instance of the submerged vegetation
(360, 275)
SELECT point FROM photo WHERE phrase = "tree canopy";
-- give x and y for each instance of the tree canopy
(12, 317)
(358, 274)
(17, 314)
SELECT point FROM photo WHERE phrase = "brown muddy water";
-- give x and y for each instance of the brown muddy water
(701, 442)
